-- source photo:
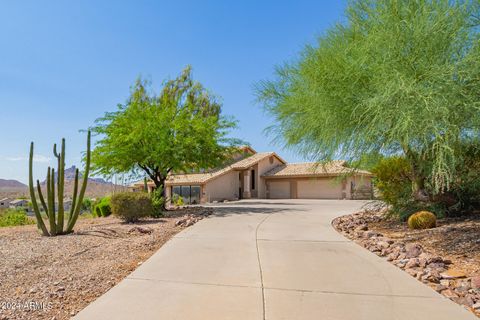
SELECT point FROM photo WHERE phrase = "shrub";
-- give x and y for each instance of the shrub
(158, 203)
(393, 182)
(131, 206)
(102, 208)
(87, 205)
(177, 200)
(15, 217)
(422, 220)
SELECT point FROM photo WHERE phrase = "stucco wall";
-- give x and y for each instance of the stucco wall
(223, 187)
(264, 166)
(359, 181)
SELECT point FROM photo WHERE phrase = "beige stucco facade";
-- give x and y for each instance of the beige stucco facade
(268, 176)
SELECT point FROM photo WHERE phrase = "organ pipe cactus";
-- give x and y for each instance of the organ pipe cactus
(56, 218)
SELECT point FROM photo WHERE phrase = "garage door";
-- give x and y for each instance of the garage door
(279, 190)
(319, 189)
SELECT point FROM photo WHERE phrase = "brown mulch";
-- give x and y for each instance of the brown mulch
(56, 277)
(456, 239)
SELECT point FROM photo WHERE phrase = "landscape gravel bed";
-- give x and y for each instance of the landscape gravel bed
(446, 258)
(56, 277)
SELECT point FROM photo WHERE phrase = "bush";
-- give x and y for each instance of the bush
(177, 200)
(102, 208)
(464, 194)
(15, 217)
(131, 206)
(393, 182)
(422, 220)
(87, 205)
(158, 203)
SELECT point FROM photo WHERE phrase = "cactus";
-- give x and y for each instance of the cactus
(56, 218)
(422, 220)
(145, 184)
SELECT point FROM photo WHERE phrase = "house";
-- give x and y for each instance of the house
(5, 203)
(267, 176)
(19, 203)
(67, 204)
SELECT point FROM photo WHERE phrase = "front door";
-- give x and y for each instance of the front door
(240, 183)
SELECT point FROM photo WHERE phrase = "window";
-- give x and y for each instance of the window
(189, 194)
(195, 194)
(252, 173)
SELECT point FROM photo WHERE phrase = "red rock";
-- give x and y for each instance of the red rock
(413, 250)
(475, 282)
(466, 301)
(449, 293)
(412, 263)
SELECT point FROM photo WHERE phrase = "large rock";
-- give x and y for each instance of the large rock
(449, 293)
(412, 263)
(413, 250)
(466, 301)
(453, 274)
(475, 282)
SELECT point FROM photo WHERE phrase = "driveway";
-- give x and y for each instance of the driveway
(267, 259)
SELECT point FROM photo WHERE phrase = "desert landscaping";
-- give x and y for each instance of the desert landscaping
(62, 275)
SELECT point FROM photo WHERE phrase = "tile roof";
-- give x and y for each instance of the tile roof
(201, 178)
(336, 167)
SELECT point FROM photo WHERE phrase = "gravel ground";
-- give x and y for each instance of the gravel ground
(56, 277)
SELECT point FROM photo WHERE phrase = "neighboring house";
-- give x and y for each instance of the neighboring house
(5, 203)
(267, 176)
(67, 203)
(19, 203)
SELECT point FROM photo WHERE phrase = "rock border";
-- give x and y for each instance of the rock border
(432, 270)
(192, 218)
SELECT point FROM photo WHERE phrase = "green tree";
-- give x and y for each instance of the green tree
(179, 130)
(397, 78)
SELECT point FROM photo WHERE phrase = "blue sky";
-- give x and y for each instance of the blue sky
(64, 63)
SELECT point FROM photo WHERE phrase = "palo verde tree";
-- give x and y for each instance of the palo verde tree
(181, 129)
(397, 78)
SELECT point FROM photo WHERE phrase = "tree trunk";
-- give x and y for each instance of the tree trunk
(158, 179)
(419, 192)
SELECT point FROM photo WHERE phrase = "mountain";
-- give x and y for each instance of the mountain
(12, 189)
(96, 187)
(12, 184)
(70, 175)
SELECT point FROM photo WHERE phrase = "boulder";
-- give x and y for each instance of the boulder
(413, 250)
(475, 282)
(412, 263)
(449, 293)
(453, 274)
(466, 301)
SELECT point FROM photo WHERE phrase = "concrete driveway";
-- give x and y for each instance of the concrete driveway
(266, 259)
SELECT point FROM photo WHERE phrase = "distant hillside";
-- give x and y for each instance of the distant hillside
(96, 188)
(70, 175)
(12, 188)
(11, 184)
